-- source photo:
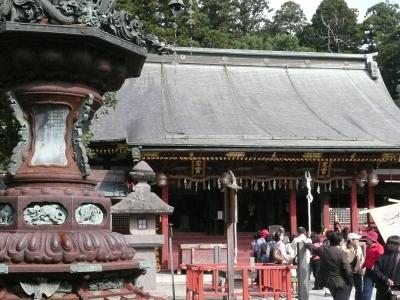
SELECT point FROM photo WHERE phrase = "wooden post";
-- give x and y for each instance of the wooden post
(165, 230)
(371, 202)
(326, 214)
(293, 212)
(230, 211)
(303, 271)
(353, 208)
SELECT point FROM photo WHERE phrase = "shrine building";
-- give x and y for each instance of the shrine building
(267, 116)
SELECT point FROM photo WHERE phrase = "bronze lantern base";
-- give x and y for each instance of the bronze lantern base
(55, 238)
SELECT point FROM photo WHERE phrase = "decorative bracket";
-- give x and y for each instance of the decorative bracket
(23, 133)
(80, 127)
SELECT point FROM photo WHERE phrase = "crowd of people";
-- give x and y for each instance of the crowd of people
(339, 263)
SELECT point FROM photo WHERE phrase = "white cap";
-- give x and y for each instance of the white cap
(353, 236)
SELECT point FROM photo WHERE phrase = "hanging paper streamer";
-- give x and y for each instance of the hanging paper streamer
(274, 184)
(330, 186)
(279, 184)
(318, 189)
(195, 186)
(269, 185)
(185, 183)
(219, 184)
(342, 184)
(297, 184)
(285, 183)
(209, 186)
(263, 186)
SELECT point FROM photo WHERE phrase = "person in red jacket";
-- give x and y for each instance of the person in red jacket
(373, 251)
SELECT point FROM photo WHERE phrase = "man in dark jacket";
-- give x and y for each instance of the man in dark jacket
(335, 272)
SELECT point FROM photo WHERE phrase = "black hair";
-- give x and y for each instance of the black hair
(268, 238)
(393, 244)
(315, 238)
(335, 238)
(277, 237)
(301, 230)
(345, 233)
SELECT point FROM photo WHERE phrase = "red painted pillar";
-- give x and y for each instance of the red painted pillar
(325, 212)
(293, 212)
(164, 230)
(371, 201)
(353, 208)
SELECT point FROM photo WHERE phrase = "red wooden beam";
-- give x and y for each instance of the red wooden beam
(353, 208)
(326, 214)
(293, 212)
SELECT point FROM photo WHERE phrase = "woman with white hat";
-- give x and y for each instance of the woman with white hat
(356, 259)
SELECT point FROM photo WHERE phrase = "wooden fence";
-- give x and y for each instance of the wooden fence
(272, 280)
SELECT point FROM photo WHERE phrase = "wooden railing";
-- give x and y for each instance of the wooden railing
(272, 280)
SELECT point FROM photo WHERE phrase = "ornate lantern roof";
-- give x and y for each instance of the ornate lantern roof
(142, 200)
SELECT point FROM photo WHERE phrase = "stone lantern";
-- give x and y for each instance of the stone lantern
(57, 59)
(143, 207)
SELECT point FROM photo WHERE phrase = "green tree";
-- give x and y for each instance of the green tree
(248, 15)
(282, 42)
(389, 62)
(380, 19)
(335, 27)
(289, 19)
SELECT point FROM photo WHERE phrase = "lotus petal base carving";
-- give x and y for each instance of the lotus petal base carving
(68, 247)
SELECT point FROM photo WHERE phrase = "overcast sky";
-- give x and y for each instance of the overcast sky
(310, 6)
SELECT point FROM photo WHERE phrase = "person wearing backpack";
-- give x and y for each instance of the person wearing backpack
(278, 252)
(262, 246)
(387, 271)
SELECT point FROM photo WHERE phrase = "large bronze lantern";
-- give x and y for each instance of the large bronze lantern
(56, 62)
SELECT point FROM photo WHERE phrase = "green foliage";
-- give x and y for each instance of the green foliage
(389, 62)
(289, 19)
(283, 42)
(381, 19)
(334, 25)
(8, 132)
(87, 137)
(248, 15)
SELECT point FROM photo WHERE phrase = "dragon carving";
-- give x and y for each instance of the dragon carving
(94, 13)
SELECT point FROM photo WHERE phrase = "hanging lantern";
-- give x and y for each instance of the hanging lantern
(256, 186)
(161, 180)
(176, 5)
(225, 179)
(373, 178)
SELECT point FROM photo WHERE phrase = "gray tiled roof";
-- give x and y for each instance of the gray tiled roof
(254, 99)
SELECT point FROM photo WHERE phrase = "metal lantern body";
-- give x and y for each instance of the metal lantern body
(176, 5)
(56, 224)
(373, 178)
